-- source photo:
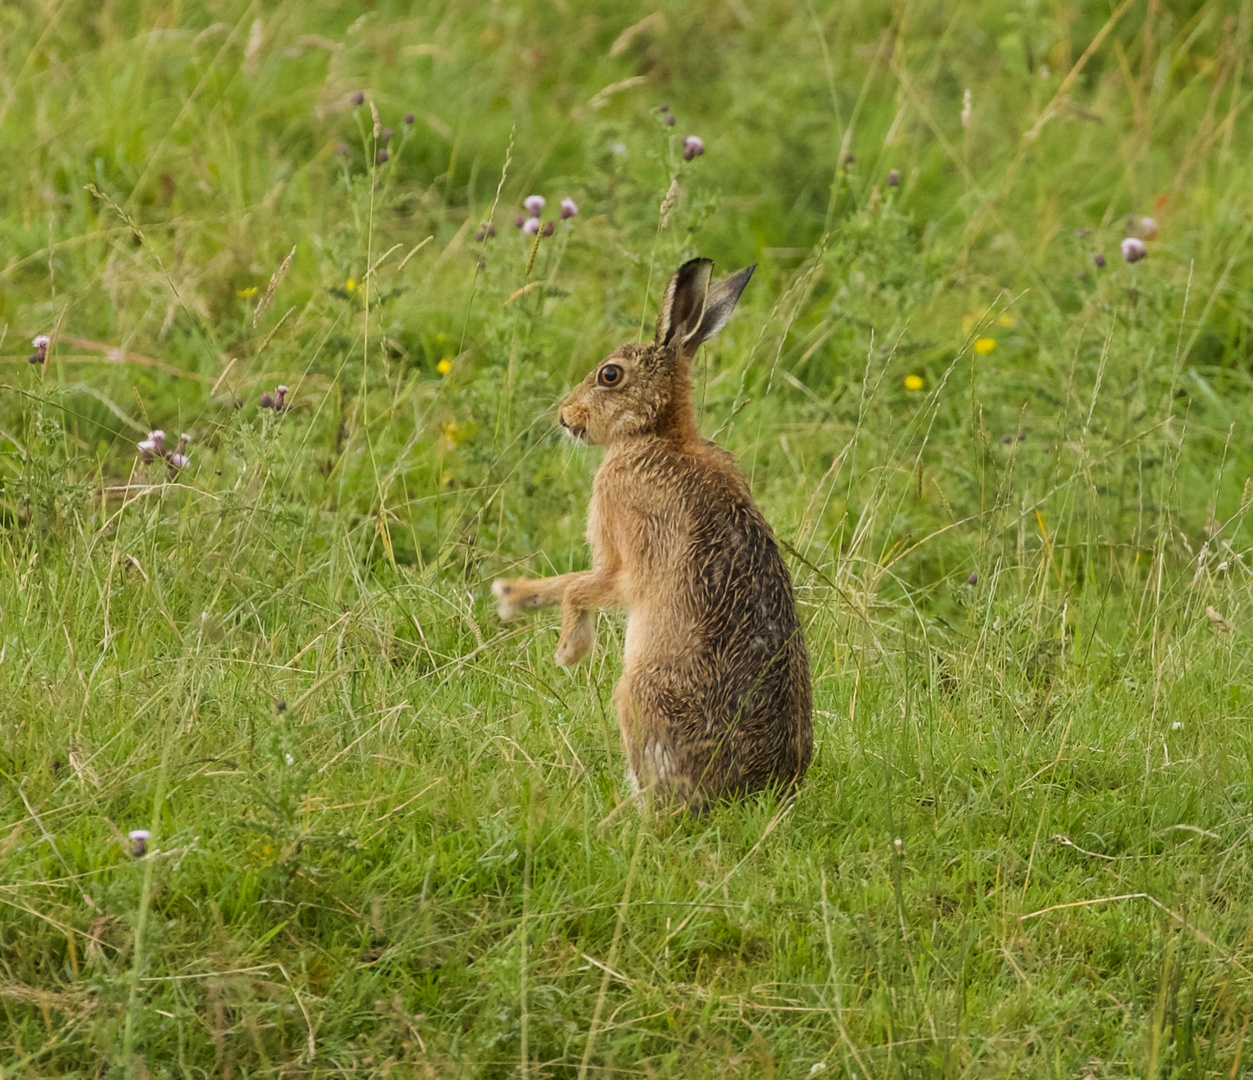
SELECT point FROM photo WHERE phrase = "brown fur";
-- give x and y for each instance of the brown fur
(715, 695)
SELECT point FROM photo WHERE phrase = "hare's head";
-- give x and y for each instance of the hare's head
(644, 389)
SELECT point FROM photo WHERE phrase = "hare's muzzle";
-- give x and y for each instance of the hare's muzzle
(575, 431)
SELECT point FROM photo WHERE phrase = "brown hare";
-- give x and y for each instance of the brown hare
(714, 698)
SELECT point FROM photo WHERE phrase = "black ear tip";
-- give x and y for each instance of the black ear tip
(748, 272)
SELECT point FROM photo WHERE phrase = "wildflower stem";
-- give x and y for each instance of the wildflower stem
(141, 923)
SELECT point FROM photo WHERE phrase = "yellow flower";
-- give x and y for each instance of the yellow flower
(1005, 320)
(913, 382)
(351, 285)
(985, 345)
(250, 291)
(444, 366)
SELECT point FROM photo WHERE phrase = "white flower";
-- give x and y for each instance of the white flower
(1177, 726)
(289, 759)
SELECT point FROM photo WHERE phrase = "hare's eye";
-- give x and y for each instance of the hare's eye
(610, 375)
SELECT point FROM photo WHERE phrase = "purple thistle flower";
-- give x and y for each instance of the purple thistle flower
(568, 208)
(41, 343)
(382, 155)
(693, 147)
(1099, 259)
(534, 204)
(894, 178)
(279, 394)
(358, 98)
(1133, 249)
(139, 842)
(152, 447)
(267, 400)
(531, 226)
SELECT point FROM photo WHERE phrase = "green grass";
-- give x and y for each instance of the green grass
(388, 834)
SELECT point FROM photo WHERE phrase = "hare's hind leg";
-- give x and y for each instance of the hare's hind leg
(627, 724)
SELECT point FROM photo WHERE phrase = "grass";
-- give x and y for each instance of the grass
(388, 835)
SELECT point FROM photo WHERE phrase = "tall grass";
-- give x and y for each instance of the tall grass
(388, 837)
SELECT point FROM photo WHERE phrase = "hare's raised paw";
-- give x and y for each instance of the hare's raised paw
(576, 641)
(508, 597)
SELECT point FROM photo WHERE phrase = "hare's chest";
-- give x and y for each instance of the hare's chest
(634, 523)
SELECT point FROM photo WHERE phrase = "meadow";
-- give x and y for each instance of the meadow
(1010, 469)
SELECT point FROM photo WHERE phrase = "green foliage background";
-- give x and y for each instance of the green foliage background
(388, 835)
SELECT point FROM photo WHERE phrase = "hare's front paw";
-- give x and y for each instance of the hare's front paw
(576, 641)
(507, 597)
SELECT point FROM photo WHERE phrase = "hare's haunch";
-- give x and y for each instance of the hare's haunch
(714, 697)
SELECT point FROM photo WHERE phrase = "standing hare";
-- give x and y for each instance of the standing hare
(714, 697)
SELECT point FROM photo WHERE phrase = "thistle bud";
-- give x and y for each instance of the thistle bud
(1133, 249)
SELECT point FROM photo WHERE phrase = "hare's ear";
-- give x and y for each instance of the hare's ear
(720, 301)
(684, 301)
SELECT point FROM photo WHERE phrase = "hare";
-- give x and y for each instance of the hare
(714, 698)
